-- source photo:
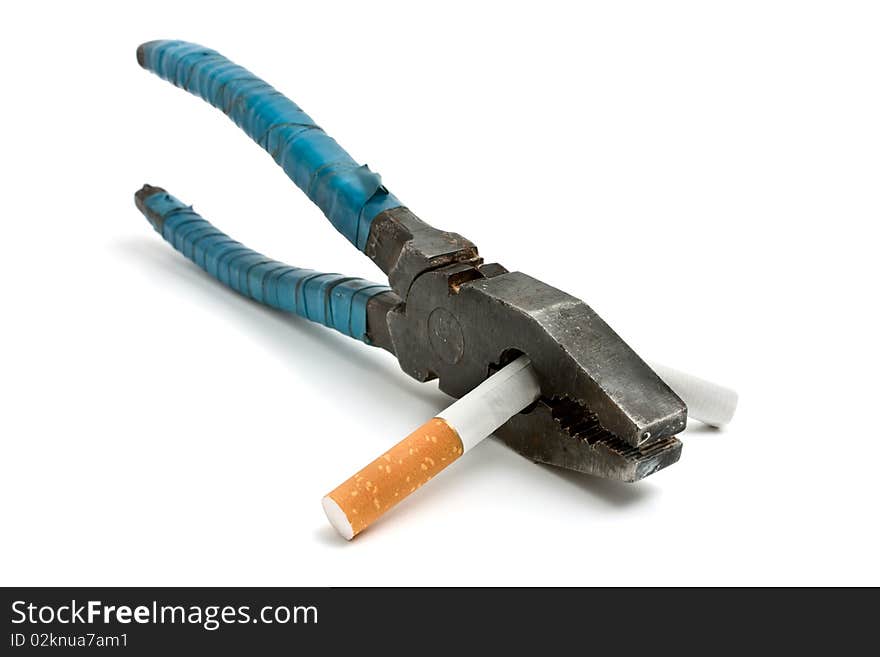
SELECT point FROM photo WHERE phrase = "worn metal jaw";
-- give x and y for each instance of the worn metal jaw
(602, 410)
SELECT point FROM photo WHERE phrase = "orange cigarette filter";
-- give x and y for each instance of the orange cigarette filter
(411, 463)
(360, 500)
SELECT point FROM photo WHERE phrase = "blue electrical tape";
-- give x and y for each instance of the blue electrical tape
(350, 195)
(333, 300)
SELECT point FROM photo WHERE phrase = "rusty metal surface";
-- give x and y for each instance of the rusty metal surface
(457, 336)
(404, 246)
(603, 411)
(538, 434)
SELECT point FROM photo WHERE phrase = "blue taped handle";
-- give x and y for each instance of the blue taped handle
(333, 300)
(350, 195)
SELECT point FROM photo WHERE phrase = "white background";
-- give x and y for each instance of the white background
(704, 175)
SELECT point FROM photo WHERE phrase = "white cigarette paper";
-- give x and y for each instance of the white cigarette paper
(707, 402)
(492, 403)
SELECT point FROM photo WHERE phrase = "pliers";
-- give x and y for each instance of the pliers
(445, 313)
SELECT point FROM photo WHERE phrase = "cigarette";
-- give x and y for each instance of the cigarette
(359, 501)
(362, 499)
(707, 402)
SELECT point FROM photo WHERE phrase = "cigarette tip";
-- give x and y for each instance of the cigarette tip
(337, 518)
